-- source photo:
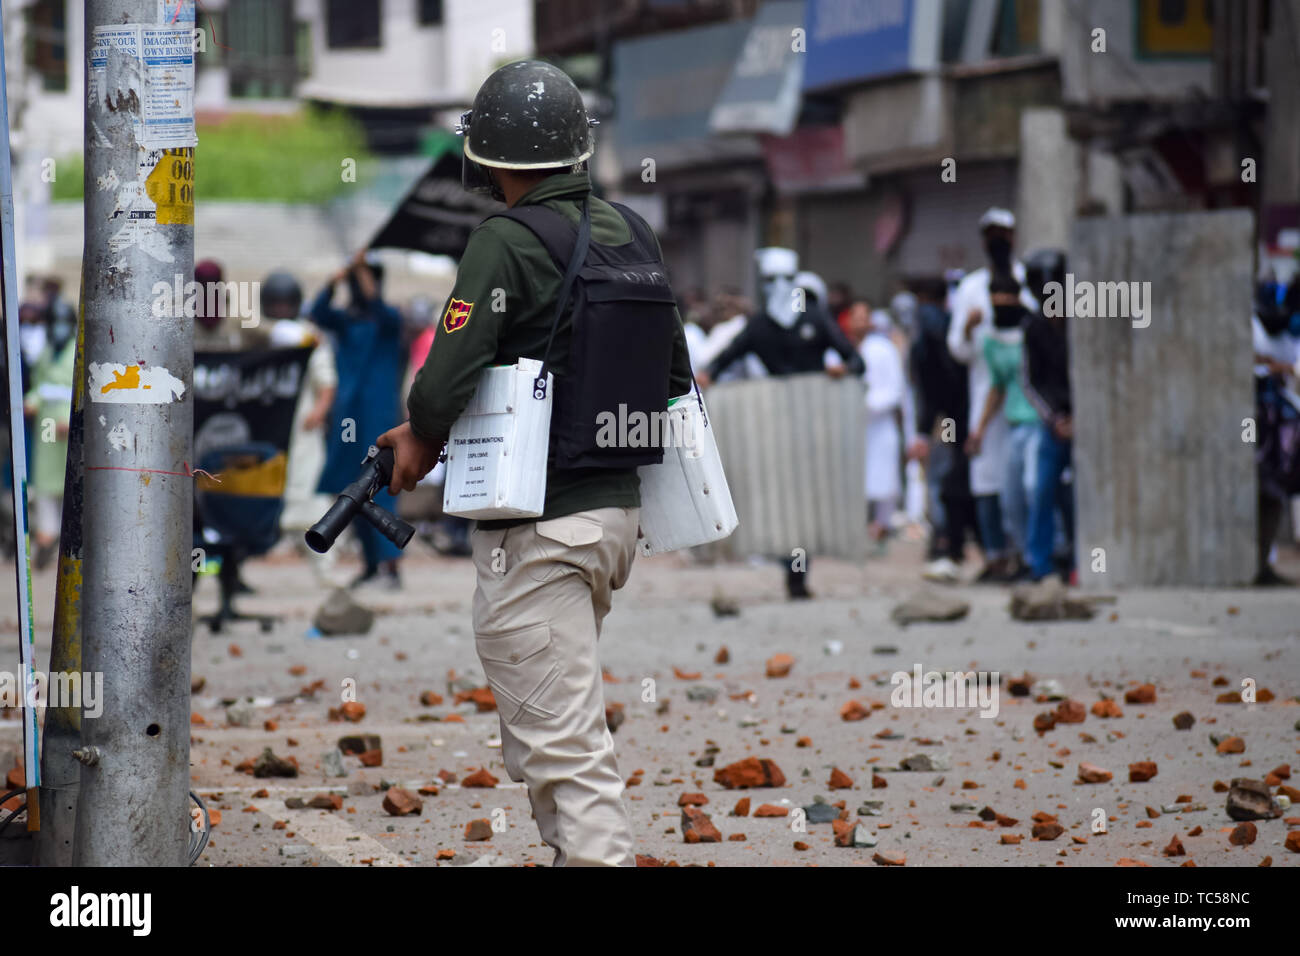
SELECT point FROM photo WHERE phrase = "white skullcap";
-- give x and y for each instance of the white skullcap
(775, 261)
(997, 216)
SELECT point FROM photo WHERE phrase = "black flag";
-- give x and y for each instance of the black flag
(438, 214)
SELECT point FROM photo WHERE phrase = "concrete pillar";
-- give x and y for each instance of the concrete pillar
(1165, 484)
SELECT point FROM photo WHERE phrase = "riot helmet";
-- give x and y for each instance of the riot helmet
(281, 296)
(526, 115)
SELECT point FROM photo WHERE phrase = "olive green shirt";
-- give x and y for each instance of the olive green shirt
(501, 310)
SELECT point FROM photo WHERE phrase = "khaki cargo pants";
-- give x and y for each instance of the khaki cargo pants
(543, 590)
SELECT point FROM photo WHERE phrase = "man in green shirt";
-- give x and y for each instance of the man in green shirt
(544, 585)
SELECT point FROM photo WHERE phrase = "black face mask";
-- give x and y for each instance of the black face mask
(1274, 320)
(999, 251)
(1008, 316)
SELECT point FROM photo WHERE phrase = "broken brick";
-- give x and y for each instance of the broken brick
(1071, 712)
(480, 778)
(854, 710)
(399, 802)
(1090, 773)
(480, 829)
(778, 665)
(1243, 834)
(750, 772)
(1144, 694)
(839, 780)
(1141, 772)
(1106, 708)
(698, 828)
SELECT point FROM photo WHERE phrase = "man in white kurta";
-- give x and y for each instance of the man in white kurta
(972, 321)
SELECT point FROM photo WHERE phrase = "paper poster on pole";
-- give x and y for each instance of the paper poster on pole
(154, 76)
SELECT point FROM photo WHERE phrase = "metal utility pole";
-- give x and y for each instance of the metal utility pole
(137, 535)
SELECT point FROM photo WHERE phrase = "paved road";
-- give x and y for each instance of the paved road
(663, 621)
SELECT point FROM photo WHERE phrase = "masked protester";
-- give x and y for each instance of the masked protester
(972, 323)
(789, 334)
(1003, 354)
(49, 403)
(546, 584)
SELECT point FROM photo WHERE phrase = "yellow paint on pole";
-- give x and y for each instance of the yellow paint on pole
(171, 187)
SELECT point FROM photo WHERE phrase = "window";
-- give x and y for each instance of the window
(261, 53)
(1016, 32)
(1173, 29)
(430, 13)
(352, 24)
(47, 44)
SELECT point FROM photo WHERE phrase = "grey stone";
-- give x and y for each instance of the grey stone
(1048, 600)
(241, 713)
(926, 605)
(701, 692)
(295, 850)
(332, 763)
(925, 762)
(269, 765)
(817, 812)
(862, 836)
(340, 614)
(1251, 800)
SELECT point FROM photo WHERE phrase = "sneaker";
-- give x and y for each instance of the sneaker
(366, 576)
(943, 570)
(1268, 578)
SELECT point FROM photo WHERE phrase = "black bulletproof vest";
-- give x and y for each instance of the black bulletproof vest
(611, 399)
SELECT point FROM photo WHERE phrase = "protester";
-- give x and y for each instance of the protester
(217, 327)
(886, 387)
(1277, 360)
(1047, 387)
(1003, 353)
(368, 353)
(941, 401)
(49, 403)
(972, 320)
(281, 303)
(788, 341)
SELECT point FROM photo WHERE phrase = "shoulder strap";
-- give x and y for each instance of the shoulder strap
(555, 234)
(550, 226)
(645, 238)
(640, 228)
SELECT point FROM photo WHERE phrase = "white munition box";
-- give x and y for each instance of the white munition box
(496, 452)
(685, 500)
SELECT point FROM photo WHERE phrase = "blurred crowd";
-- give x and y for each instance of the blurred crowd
(969, 420)
(969, 415)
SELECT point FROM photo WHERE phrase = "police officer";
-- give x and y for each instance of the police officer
(544, 585)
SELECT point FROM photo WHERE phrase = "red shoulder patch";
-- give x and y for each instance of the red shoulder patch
(457, 314)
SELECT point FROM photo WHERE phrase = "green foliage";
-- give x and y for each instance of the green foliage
(288, 158)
